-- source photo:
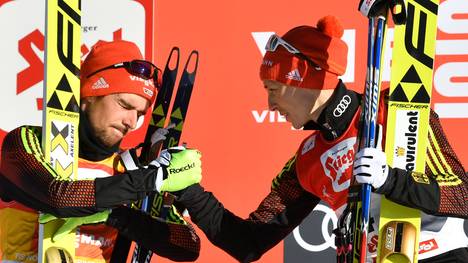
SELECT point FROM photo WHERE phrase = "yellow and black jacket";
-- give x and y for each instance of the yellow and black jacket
(29, 184)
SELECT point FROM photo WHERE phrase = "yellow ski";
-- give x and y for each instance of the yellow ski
(61, 110)
(408, 124)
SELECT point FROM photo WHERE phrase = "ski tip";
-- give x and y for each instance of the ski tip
(173, 63)
(192, 63)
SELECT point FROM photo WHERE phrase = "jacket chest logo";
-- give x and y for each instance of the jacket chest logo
(337, 163)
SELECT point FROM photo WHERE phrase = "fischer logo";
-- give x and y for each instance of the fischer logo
(336, 163)
(428, 245)
(182, 169)
(342, 106)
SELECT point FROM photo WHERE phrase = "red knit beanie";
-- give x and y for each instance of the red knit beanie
(322, 44)
(118, 80)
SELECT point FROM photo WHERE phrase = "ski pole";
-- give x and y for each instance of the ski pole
(370, 123)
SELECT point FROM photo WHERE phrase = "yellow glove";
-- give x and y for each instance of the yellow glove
(72, 222)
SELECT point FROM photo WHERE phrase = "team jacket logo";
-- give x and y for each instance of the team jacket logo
(337, 161)
(342, 106)
(308, 145)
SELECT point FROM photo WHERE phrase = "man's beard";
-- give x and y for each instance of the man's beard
(92, 147)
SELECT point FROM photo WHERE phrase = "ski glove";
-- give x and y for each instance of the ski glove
(177, 169)
(370, 167)
(71, 223)
(160, 134)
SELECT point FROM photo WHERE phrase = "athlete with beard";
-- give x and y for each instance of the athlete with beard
(117, 88)
(300, 73)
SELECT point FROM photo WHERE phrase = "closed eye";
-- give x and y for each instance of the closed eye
(128, 106)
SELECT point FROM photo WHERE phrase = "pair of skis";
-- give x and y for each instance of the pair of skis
(409, 106)
(353, 225)
(159, 116)
(61, 113)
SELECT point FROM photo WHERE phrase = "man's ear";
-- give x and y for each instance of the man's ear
(85, 102)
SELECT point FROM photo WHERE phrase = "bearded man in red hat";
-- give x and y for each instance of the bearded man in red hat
(300, 72)
(117, 88)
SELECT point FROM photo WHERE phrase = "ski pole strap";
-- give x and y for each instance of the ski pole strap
(344, 246)
(344, 239)
(130, 160)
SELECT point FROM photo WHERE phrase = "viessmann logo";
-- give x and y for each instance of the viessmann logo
(336, 163)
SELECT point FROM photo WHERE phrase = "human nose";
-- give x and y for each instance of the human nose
(131, 119)
(271, 103)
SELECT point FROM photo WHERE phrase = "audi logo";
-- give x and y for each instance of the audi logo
(342, 106)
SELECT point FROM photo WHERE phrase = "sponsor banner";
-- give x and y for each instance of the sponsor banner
(22, 77)
(313, 239)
